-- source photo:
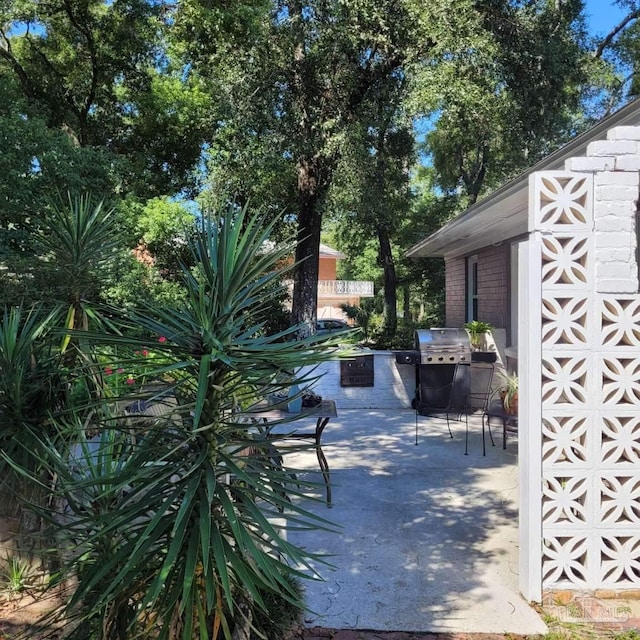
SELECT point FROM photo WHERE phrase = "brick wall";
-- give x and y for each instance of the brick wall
(327, 268)
(455, 294)
(615, 163)
(493, 287)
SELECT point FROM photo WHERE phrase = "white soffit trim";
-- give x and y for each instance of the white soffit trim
(503, 214)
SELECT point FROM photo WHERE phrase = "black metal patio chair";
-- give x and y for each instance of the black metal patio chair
(479, 399)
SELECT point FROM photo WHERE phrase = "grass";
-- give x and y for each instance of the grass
(563, 630)
(14, 575)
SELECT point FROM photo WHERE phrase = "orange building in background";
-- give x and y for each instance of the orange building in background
(332, 292)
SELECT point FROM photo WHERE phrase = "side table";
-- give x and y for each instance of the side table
(509, 422)
(322, 412)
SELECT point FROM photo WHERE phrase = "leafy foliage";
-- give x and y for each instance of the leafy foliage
(99, 71)
(309, 108)
(293, 96)
(38, 164)
(505, 92)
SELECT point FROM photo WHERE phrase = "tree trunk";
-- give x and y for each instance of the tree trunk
(243, 619)
(305, 277)
(406, 302)
(390, 282)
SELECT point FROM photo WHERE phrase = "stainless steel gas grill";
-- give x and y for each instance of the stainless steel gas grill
(437, 353)
(443, 346)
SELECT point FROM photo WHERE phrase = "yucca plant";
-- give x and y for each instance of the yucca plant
(78, 239)
(43, 374)
(28, 365)
(31, 386)
(175, 524)
(45, 378)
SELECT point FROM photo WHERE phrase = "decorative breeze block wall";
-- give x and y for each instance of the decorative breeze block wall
(590, 366)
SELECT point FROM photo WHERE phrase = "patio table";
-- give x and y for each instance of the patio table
(280, 416)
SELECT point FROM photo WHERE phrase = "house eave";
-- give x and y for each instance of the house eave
(503, 213)
(503, 216)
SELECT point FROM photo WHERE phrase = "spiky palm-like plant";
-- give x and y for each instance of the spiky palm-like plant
(174, 523)
(43, 374)
(77, 239)
(31, 387)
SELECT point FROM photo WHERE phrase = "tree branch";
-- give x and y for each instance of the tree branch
(608, 39)
(7, 53)
(95, 67)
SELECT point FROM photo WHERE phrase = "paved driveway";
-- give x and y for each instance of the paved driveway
(428, 536)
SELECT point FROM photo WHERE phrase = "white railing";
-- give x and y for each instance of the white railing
(362, 288)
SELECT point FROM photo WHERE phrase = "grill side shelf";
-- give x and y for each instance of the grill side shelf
(407, 357)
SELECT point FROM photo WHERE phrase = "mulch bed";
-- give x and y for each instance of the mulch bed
(17, 618)
(321, 633)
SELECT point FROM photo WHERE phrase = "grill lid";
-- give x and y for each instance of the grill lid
(443, 345)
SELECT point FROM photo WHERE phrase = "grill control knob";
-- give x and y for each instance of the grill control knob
(452, 358)
(441, 359)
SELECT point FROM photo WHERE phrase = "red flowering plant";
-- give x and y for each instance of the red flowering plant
(124, 373)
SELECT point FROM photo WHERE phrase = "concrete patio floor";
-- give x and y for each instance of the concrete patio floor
(429, 536)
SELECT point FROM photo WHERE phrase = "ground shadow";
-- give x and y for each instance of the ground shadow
(428, 536)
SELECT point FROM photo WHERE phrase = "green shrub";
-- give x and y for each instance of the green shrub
(404, 337)
(281, 614)
(14, 574)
